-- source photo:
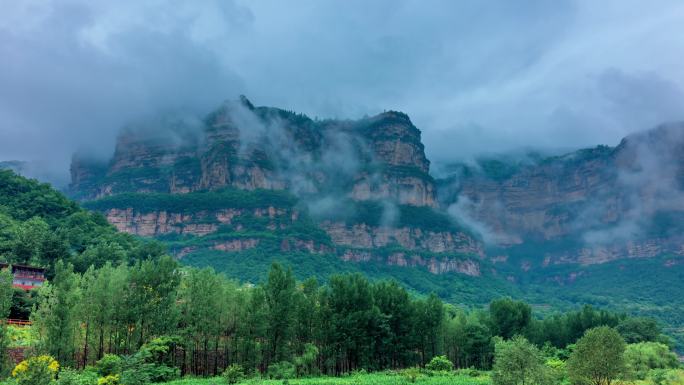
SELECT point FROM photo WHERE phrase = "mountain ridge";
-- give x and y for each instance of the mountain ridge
(329, 196)
(329, 163)
(362, 188)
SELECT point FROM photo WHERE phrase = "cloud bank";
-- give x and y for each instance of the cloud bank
(474, 76)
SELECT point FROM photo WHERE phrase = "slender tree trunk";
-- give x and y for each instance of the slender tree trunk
(85, 345)
(100, 344)
(216, 350)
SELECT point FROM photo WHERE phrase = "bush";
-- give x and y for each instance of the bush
(470, 372)
(112, 379)
(134, 377)
(645, 356)
(411, 374)
(108, 365)
(149, 364)
(234, 374)
(659, 376)
(440, 363)
(281, 370)
(69, 376)
(40, 370)
(667, 376)
(557, 369)
(306, 363)
(517, 361)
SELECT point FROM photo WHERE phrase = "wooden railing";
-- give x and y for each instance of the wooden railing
(19, 322)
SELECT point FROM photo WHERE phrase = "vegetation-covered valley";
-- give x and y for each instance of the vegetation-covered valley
(385, 192)
(117, 310)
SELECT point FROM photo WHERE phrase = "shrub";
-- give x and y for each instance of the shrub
(108, 365)
(150, 363)
(281, 370)
(659, 376)
(517, 361)
(305, 364)
(470, 372)
(134, 377)
(156, 373)
(112, 379)
(411, 374)
(234, 374)
(557, 369)
(667, 376)
(69, 376)
(40, 370)
(440, 363)
(645, 356)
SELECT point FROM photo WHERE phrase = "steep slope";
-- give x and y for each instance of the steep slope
(258, 181)
(603, 226)
(39, 225)
(591, 206)
(248, 185)
(250, 148)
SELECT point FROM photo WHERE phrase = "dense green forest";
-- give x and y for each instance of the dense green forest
(155, 321)
(39, 226)
(270, 233)
(117, 310)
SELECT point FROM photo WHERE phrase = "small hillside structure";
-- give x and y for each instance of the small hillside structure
(26, 277)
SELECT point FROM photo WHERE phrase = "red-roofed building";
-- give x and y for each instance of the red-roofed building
(26, 277)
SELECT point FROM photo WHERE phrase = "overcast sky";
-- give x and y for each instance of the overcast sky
(475, 76)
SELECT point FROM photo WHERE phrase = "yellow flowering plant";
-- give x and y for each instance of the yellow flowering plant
(39, 370)
(112, 379)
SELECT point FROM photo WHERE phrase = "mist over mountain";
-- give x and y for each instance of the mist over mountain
(602, 195)
(476, 78)
(341, 192)
(248, 184)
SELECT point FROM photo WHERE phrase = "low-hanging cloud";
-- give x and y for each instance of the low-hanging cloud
(318, 162)
(474, 76)
(649, 183)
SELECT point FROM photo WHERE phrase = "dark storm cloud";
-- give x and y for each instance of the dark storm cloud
(73, 74)
(475, 76)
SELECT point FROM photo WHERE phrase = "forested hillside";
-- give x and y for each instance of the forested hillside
(39, 226)
(248, 185)
(116, 310)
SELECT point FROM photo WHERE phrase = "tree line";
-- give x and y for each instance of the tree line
(208, 322)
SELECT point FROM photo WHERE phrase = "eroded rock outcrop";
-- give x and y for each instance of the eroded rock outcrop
(591, 206)
(435, 265)
(246, 147)
(365, 236)
(157, 223)
(580, 208)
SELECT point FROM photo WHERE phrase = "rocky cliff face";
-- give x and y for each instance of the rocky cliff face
(435, 265)
(540, 200)
(587, 207)
(232, 230)
(590, 206)
(363, 236)
(247, 147)
(158, 223)
(239, 146)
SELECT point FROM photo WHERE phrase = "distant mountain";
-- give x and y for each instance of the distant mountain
(250, 184)
(588, 207)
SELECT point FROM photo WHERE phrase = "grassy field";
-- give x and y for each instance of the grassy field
(359, 379)
(671, 377)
